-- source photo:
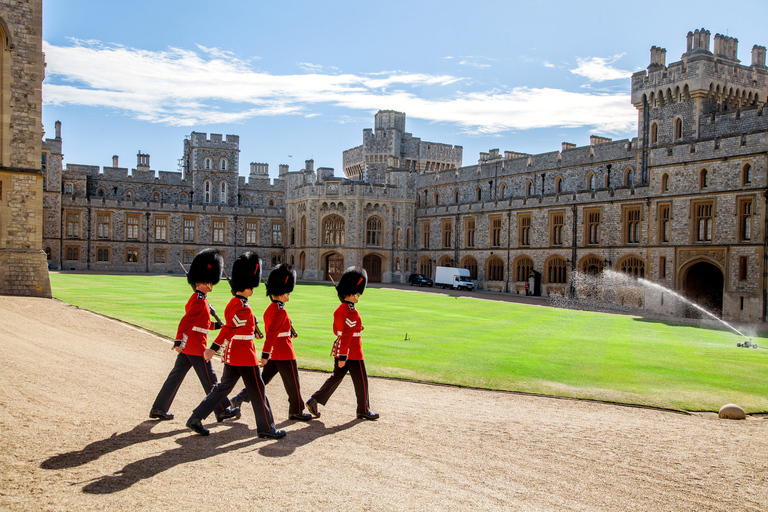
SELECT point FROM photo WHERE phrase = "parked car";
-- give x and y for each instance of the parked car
(419, 280)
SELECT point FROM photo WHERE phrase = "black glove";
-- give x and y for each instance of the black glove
(216, 325)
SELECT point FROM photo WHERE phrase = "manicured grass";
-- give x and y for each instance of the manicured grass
(478, 342)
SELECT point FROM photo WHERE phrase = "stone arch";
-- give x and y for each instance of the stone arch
(591, 264)
(424, 266)
(207, 191)
(445, 261)
(333, 230)
(559, 185)
(437, 198)
(398, 237)
(522, 268)
(470, 263)
(129, 195)
(494, 269)
(223, 164)
(333, 265)
(664, 182)
(703, 179)
(702, 281)
(479, 194)
(529, 189)
(746, 174)
(555, 270)
(503, 190)
(456, 195)
(629, 176)
(156, 196)
(591, 180)
(373, 263)
(632, 265)
(677, 128)
(654, 132)
(182, 197)
(374, 235)
(101, 192)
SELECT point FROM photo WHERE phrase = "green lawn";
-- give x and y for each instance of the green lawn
(480, 343)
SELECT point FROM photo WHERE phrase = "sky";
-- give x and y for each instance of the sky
(299, 80)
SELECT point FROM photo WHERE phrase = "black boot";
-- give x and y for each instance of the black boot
(232, 412)
(160, 414)
(196, 424)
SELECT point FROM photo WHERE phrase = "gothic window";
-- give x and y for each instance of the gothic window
(160, 255)
(665, 182)
(303, 231)
(73, 225)
(559, 185)
(556, 223)
(129, 194)
(223, 193)
(529, 188)
(469, 229)
(628, 177)
(746, 175)
(632, 225)
(373, 232)
(218, 231)
(100, 192)
(703, 221)
(662, 267)
(742, 268)
(503, 191)
(67, 188)
(102, 255)
(495, 269)
(425, 235)
(102, 225)
(479, 194)
(745, 219)
(207, 191)
(271, 202)
(654, 133)
(407, 238)
(678, 129)
(591, 181)
(161, 229)
(557, 271)
(223, 164)
(132, 227)
(156, 196)
(470, 263)
(277, 234)
(455, 196)
(182, 198)
(633, 267)
(523, 268)
(495, 233)
(73, 253)
(437, 199)
(131, 255)
(398, 236)
(207, 163)
(524, 229)
(703, 179)
(592, 234)
(251, 232)
(447, 233)
(333, 230)
(189, 230)
(246, 201)
(664, 223)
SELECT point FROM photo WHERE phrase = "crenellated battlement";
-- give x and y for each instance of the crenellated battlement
(214, 141)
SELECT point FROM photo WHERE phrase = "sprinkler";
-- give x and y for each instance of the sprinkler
(747, 344)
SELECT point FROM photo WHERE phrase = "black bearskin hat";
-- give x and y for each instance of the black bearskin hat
(205, 268)
(281, 280)
(352, 281)
(246, 272)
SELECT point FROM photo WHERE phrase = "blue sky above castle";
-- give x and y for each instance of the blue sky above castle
(300, 80)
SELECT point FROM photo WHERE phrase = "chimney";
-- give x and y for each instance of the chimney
(58, 123)
(114, 161)
(568, 145)
(142, 161)
(758, 56)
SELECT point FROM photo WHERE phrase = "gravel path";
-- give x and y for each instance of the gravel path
(77, 388)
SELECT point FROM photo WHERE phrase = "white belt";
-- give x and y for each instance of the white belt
(243, 337)
(288, 334)
(357, 334)
(200, 329)
(338, 333)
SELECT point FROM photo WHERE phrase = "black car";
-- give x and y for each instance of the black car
(419, 280)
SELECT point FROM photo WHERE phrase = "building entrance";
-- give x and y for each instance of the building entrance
(703, 284)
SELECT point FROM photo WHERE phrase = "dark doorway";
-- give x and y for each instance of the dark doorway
(372, 265)
(704, 285)
(334, 267)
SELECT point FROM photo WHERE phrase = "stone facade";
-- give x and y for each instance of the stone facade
(682, 204)
(23, 269)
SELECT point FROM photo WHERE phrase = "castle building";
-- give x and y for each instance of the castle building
(23, 269)
(682, 204)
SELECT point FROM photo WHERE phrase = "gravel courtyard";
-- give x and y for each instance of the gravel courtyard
(77, 388)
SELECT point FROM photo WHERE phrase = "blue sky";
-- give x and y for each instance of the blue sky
(298, 80)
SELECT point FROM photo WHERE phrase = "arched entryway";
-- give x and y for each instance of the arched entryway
(334, 266)
(372, 265)
(703, 284)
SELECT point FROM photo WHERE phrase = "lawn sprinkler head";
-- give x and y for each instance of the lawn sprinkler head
(747, 344)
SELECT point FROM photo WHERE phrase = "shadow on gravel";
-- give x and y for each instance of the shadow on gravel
(313, 430)
(192, 448)
(139, 434)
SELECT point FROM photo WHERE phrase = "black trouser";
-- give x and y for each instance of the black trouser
(359, 379)
(289, 372)
(205, 373)
(255, 387)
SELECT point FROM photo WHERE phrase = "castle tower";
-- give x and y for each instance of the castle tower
(212, 164)
(672, 100)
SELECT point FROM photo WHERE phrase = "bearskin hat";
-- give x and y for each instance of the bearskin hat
(205, 268)
(281, 280)
(352, 281)
(246, 272)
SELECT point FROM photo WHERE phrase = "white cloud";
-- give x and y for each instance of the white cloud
(598, 69)
(548, 64)
(186, 88)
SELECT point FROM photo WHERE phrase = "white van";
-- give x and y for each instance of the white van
(451, 277)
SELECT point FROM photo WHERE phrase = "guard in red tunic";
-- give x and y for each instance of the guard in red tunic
(277, 355)
(192, 339)
(239, 354)
(348, 348)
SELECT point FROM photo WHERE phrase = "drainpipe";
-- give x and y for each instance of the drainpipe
(575, 214)
(765, 256)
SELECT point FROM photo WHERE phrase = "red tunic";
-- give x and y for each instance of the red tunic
(277, 333)
(194, 325)
(237, 334)
(348, 328)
